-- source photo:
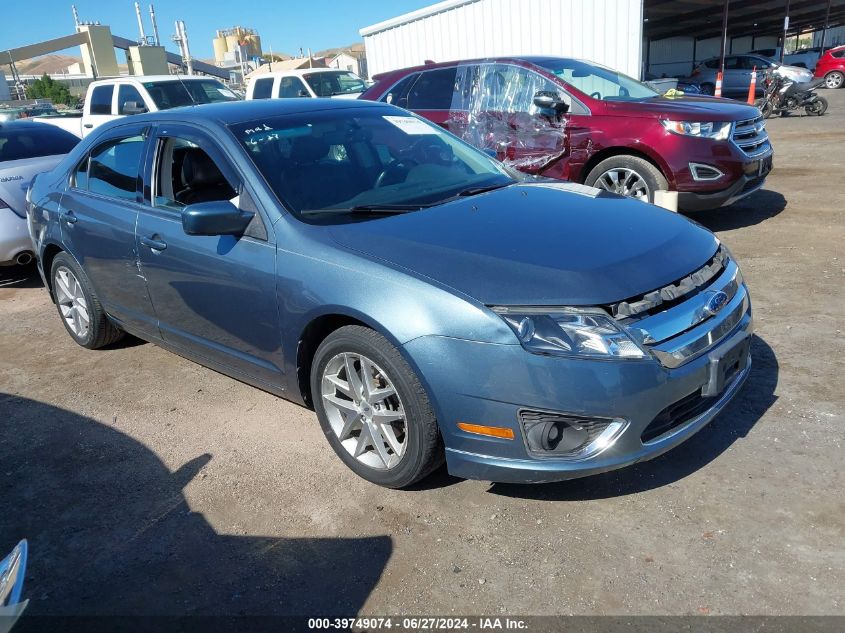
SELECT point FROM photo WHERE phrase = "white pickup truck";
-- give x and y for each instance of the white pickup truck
(109, 99)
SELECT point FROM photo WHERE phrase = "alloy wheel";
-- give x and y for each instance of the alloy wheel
(834, 80)
(72, 303)
(625, 182)
(364, 410)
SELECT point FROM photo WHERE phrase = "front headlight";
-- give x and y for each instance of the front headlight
(587, 333)
(719, 130)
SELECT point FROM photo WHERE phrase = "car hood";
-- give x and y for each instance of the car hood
(686, 109)
(538, 244)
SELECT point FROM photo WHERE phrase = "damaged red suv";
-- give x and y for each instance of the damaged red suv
(579, 121)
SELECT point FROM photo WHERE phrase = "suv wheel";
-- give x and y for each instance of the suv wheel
(373, 409)
(629, 176)
(834, 79)
(80, 309)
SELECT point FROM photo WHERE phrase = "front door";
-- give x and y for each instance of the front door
(98, 215)
(215, 296)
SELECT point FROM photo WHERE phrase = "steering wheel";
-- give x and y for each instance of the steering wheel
(596, 95)
(391, 172)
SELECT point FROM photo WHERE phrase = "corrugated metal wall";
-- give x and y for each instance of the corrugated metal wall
(605, 31)
(674, 56)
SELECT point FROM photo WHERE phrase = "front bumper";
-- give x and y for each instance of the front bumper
(14, 237)
(489, 384)
(745, 186)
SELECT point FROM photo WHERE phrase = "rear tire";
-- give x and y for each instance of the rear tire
(834, 79)
(354, 418)
(601, 176)
(818, 107)
(78, 305)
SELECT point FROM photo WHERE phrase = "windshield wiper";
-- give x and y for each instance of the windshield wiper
(386, 209)
(474, 191)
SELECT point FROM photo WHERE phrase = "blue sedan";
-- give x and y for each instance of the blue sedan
(426, 301)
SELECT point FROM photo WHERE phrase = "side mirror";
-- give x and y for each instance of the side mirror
(219, 217)
(304, 93)
(546, 100)
(133, 107)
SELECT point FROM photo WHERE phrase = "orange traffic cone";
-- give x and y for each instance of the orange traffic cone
(752, 89)
(718, 91)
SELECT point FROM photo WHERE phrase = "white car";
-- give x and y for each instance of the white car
(306, 82)
(109, 99)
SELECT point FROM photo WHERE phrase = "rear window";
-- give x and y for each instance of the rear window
(101, 99)
(31, 142)
(173, 94)
(263, 89)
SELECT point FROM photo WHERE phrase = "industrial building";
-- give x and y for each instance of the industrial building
(633, 36)
(236, 45)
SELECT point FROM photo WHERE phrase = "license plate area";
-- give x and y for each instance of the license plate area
(725, 364)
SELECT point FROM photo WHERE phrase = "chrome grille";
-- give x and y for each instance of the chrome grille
(751, 137)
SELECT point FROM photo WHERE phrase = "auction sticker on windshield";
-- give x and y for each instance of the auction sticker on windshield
(412, 125)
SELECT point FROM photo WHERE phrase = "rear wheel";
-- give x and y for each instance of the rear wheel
(78, 305)
(834, 79)
(373, 408)
(818, 107)
(629, 176)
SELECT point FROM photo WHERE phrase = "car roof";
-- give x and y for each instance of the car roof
(232, 112)
(300, 71)
(157, 78)
(24, 123)
(530, 59)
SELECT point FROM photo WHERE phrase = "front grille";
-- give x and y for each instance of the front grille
(667, 296)
(751, 136)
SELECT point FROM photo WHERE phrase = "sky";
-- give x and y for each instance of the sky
(284, 25)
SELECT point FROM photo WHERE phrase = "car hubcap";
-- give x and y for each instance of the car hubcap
(834, 80)
(72, 303)
(364, 410)
(625, 182)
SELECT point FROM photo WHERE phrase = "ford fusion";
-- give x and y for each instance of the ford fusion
(427, 302)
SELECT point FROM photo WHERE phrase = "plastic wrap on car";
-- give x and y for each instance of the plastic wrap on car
(493, 109)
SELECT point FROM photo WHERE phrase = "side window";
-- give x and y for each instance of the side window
(186, 174)
(101, 98)
(80, 175)
(128, 95)
(433, 90)
(263, 88)
(291, 88)
(712, 63)
(114, 168)
(398, 94)
(838, 54)
(733, 63)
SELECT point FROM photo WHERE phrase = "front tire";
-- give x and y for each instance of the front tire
(818, 107)
(373, 409)
(79, 307)
(834, 80)
(766, 109)
(629, 176)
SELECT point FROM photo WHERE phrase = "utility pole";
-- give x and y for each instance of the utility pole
(785, 29)
(826, 22)
(724, 36)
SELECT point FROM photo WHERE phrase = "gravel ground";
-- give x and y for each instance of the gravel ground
(148, 484)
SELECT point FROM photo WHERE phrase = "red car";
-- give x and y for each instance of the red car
(578, 121)
(831, 66)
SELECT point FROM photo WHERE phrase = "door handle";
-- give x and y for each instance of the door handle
(88, 126)
(155, 245)
(68, 217)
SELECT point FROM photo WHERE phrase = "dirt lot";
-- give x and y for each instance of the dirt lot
(148, 484)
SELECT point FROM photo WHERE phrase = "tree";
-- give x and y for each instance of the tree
(46, 88)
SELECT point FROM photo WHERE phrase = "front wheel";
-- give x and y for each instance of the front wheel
(373, 409)
(766, 109)
(629, 176)
(834, 80)
(817, 108)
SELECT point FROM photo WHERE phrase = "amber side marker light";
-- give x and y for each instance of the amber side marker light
(492, 431)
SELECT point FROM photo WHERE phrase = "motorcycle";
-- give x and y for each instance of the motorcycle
(12, 571)
(782, 96)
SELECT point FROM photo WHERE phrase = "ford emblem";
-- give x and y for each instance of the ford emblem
(715, 303)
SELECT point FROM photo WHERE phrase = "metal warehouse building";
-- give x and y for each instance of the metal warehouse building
(633, 36)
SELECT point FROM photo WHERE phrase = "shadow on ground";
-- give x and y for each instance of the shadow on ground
(110, 533)
(20, 277)
(755, 398)
(756, 208)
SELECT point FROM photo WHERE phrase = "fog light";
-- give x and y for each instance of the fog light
(562, 435)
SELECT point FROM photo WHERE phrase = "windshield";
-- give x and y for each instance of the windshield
(598, 81)
(329, 84)
(173, 94)
(332, 163)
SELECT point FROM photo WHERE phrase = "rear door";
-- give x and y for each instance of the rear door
(100, 107)
(214, 296)
(98, 215)
(432, 94)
